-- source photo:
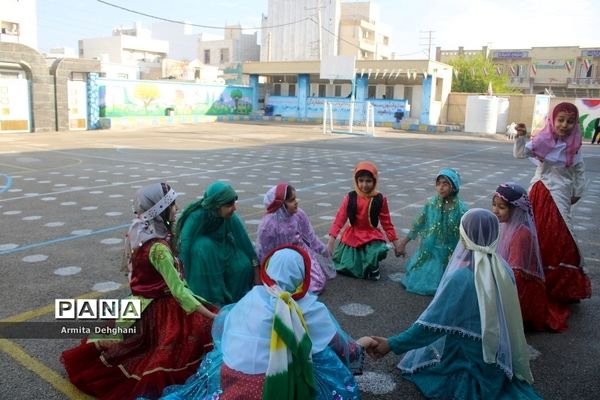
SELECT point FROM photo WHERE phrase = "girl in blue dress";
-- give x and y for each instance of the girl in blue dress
(469, 342)
(437, 227)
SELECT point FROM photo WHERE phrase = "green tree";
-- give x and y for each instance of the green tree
(236, 95)
(470, 76)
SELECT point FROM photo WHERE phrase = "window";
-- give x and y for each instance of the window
(224, 56)
(322, 92)
(292, 89)
(196, 73)
(372, 91)
(389, 92)
(338, 91)
(206, 56)
(9, 28)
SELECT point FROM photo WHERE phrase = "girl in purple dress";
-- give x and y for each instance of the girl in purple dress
(286, 223)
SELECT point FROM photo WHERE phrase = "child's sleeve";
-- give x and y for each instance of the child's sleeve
(578, 179)
(340, 218)
(162, 260)
(309, 236)
(386, 221)
(419, 224)
(520, 150)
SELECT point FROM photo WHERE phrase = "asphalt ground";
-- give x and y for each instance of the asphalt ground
(65, 204)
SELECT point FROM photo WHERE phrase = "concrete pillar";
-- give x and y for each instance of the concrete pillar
(302, 93)
(362, 87)
(426, 100)
(255, 91)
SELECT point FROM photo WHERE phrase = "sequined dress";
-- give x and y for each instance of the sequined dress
(437, 227)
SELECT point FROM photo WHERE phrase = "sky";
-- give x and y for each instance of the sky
(498, 24)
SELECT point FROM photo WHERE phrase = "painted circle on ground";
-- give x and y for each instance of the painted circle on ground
(66, 271)
(376, 383)
(35, 258)
(106, 286)
(357, 309)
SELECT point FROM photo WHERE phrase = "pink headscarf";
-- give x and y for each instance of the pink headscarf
(545, 140)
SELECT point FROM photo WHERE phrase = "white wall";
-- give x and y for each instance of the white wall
(183, 42)
(22, 12)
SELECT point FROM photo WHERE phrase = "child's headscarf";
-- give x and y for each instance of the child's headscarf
(545, 140)
(521, 215)
(453, 176)
(148, 204)
(477, 297)
(371, 168)
(275, 199)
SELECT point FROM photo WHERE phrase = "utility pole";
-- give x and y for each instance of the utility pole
(426, 39)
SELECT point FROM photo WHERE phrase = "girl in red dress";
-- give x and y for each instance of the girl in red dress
(174, 331)
(558, 183)
(518, 245)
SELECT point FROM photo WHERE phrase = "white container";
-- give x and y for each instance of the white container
(502, 115)
(482, 114)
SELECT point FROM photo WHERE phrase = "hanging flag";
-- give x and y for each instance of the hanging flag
(551, 62)
(587, 65)
(568, 66)
(513, 70)
(425, 74)
(455, 72)
(485, 71)
(533, 69)
(473, 71)
(498, 70)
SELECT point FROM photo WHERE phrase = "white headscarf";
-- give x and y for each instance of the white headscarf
(148, 203)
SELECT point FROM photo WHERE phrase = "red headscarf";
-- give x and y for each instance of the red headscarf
(280, 191)
(546, 139)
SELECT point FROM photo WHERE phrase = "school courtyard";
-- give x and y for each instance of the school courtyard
(65, 204)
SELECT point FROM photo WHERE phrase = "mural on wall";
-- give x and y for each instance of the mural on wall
(384, 110)
(121, 98)
(589, 110)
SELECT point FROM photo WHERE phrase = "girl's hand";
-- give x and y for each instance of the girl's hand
(521, 129)
(330, 245)
(380, 349)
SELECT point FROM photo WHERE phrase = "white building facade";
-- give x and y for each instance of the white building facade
(127, 48)
(307, 30)
(18, 22)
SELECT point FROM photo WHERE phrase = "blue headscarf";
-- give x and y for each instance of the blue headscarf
(453, 176)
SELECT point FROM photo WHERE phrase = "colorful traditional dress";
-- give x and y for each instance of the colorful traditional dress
(278, 342)
(437, 227)
(217, 254)
(279, 227)
(170, 339)
(469, 342)
(518, 245)
(559, 176)
(362, 245)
